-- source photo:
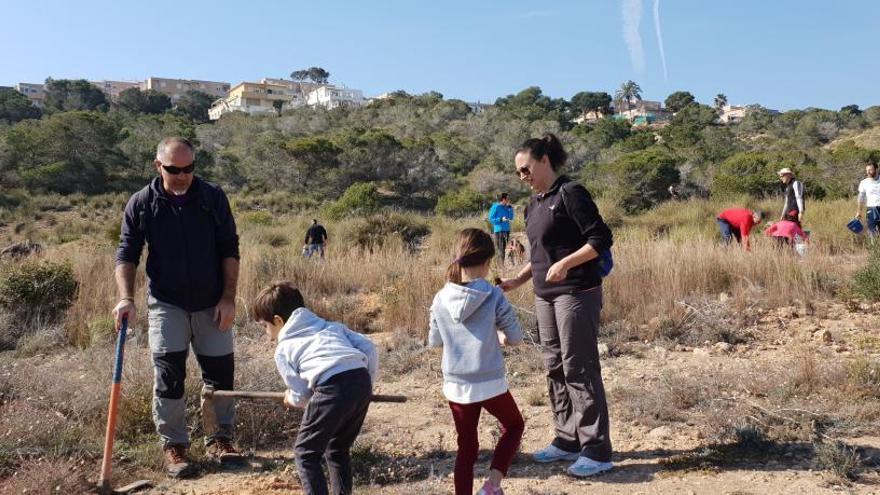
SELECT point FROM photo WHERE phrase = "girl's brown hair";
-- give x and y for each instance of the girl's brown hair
(474, 248)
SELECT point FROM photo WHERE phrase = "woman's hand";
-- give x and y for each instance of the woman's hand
(509, 284)
(557, 272)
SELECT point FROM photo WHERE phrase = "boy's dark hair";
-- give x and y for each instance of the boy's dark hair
(474, 248)
(503, 196)
(279, 298)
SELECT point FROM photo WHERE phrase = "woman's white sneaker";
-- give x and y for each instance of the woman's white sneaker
(585, 467)
(552, 453)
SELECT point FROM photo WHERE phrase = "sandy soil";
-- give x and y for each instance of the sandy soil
(418, 434)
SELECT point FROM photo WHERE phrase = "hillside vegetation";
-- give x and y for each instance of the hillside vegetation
(416, 150)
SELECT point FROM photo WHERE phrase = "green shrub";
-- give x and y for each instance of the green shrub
(866, 282)
(102, 329)
(257, 218)
(33, 296)
(840, 459)
(374, 231)
(637, 180)
(359, 199)
(752, 173)
(461, 203)
(42, 287)
(863, 376)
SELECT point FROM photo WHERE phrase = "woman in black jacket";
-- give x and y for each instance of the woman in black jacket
(566, 235)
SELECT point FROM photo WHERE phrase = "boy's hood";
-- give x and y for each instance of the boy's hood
(462, 301)
(301, 323)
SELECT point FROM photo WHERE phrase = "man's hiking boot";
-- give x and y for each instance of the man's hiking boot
(177, 464)
(221, 450)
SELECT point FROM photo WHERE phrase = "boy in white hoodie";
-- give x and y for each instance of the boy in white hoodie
(329, 370)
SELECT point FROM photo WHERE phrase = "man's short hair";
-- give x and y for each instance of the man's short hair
(279, 298)
(162, 149)
(759, 213)
(503, 196)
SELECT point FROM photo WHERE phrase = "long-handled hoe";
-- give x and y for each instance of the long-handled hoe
(115, 390)
(209, 419)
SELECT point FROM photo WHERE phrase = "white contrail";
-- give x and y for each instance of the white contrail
(632, 17)
(660, 37)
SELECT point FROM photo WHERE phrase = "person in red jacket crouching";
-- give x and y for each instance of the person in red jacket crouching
(737, 223)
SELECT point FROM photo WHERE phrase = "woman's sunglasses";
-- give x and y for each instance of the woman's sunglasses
(525, 170)
(171, 169)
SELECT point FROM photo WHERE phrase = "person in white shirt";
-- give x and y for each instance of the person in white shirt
(869, 198)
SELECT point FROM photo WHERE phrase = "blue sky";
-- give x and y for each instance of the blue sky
(780, 53)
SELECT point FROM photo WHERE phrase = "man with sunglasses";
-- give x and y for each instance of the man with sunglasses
(192, 267)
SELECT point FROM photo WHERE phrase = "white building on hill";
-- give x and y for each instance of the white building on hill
(333, 97)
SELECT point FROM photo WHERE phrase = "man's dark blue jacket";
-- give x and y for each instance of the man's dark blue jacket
(186, 244)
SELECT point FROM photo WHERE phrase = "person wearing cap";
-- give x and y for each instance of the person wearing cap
(793, 209)
(869, 198)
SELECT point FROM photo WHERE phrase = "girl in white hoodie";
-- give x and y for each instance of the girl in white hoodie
(465, 318)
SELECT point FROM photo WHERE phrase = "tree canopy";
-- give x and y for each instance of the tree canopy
(15, 107)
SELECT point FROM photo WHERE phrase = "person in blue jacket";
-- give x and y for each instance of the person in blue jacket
(500, 216)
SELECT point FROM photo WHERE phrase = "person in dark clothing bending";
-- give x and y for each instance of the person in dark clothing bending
(316, 238)
(566, 234)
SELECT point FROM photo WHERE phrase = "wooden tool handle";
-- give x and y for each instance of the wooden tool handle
(279, 396)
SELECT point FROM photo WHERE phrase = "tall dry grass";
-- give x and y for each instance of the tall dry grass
(663, 258)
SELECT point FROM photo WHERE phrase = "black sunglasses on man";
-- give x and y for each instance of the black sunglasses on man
(171, 169)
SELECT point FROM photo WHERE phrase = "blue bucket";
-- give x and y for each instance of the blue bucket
(855, 225)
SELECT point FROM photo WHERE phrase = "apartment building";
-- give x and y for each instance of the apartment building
(175, 88)
(302, 88)
(36, 92)
(732, 114)
(113, 88)
(643, 112)
(256, 98)
(333, 97)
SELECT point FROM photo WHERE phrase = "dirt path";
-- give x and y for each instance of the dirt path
(412, 446)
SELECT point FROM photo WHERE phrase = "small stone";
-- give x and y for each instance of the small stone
(604, 351)
(823, 336)
(723, 347)
(660, 432)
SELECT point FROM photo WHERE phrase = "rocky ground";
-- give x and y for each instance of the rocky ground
(407, 448)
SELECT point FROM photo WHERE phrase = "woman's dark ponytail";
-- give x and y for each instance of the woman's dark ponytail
(548, 145)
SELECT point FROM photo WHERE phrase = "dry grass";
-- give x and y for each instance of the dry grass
(665, 259)
(672, 284)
